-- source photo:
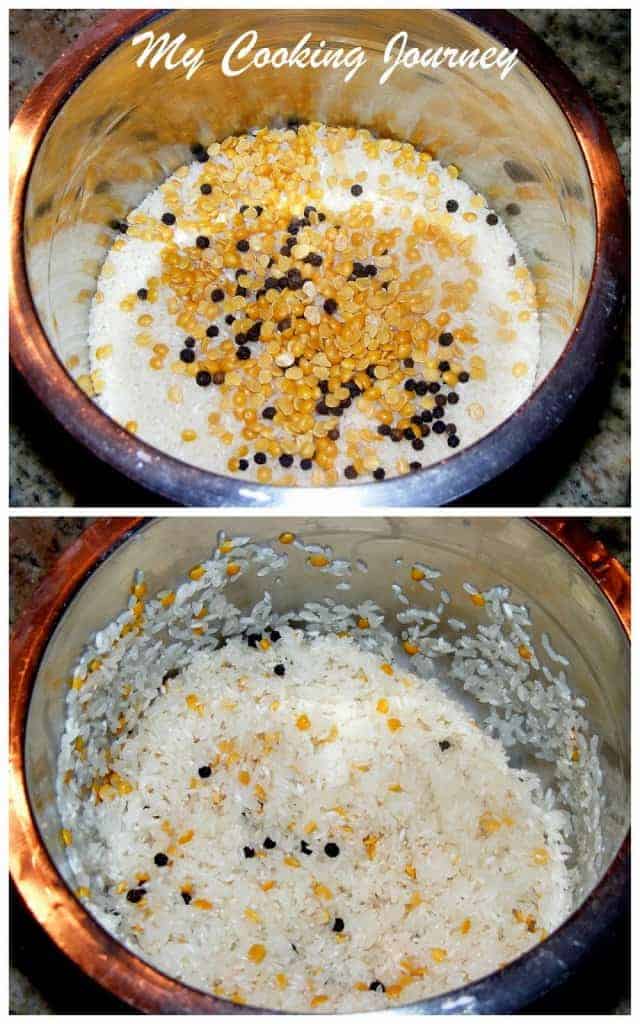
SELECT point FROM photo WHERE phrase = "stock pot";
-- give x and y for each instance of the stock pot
(575, 591)
(98, 133)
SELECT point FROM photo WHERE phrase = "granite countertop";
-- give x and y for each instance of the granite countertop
(49, 469)
(42, 981)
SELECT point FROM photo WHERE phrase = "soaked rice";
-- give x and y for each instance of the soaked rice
(296, 820)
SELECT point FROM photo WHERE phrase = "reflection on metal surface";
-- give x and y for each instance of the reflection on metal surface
(609, 573)
(587, 610)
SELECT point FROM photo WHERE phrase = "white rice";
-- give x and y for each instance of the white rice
(450, 861)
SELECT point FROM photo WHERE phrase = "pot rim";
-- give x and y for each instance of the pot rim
(103, 958)
(587, 352)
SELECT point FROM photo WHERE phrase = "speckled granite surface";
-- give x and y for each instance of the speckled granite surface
(44, 982)
(49, 469)
(595, 45)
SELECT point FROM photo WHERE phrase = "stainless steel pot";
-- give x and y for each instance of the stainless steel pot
(98, 133)
(576, 592)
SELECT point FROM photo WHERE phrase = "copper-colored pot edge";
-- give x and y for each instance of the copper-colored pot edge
(64, 919)
(606, 571)
(446, 481)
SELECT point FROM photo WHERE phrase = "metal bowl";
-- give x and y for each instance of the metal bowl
(98, 133)
(575, 590)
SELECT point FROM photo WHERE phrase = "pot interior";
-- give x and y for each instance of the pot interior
(124, 129)
(562, 599)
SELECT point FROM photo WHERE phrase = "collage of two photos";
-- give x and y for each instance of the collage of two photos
(320, 511)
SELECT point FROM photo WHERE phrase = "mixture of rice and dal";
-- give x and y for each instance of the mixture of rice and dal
(290, 810)
(312, 305)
